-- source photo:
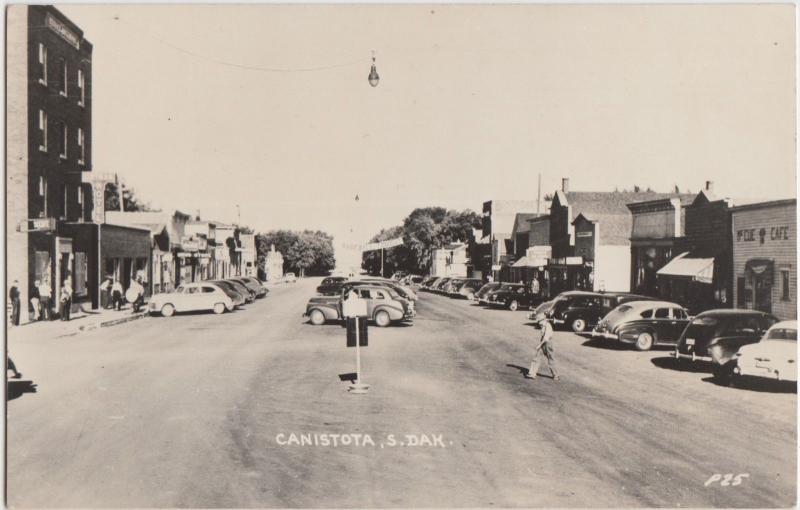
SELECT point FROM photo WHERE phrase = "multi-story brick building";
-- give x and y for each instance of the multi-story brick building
(48, 149)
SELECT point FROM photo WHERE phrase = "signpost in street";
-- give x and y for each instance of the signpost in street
(355, 308)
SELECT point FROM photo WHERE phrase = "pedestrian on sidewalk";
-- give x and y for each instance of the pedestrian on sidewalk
(544, 349)
(66, 301)
(11, 366)
(13, 294)
(116, 294)
(44, 300)
(136, 290)
(105, 293)
(35, 300)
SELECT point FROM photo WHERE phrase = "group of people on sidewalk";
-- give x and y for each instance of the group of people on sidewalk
(41, 301)
(111, 294)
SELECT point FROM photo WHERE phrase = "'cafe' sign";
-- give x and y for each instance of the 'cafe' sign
(762, 234)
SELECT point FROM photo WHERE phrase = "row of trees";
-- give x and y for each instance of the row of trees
(424, 230)
(308, 252)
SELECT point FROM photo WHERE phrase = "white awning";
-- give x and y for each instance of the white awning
(701, 270)
(530, 262)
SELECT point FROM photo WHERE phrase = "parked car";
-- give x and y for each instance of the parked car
(249, 295)
(253, 285)
(331, 285)
(468, 288)
(773, 357)
(238, 297)
(403, 290)
(485, 289)
(512, 296)
(414, 281)
(191, 297)
(581, 310)
(262, 289)
(289, 278)
(431, 283)
(450, 287)
(384, 305)
(717, 335)
(439, 285)
(644, 324)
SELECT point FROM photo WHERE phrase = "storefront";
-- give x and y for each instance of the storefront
(192, 260)
(125, 254)
(765, 257)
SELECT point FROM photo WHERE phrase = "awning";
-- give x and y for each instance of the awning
(701, 270)
(530, 262)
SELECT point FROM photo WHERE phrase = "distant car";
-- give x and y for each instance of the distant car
(512, 296)
(237, 295)
(485, 289)
(384, 305)
(289, 278)
(450, 287)
(191, 297)
(468, 288)
(717, 335)
(430, 282)
(331, 285)
(644, 324)
(581, 310)
(773, 357)
(439, 285)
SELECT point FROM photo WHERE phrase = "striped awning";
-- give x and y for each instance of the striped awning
(698, 269)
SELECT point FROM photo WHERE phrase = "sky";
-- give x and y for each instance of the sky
(202, 108)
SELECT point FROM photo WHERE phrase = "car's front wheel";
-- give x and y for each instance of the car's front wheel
(219, 308)
(644, 341)
(382, 319)
(167, 310)
(513, 305)
(317, 317)
(578, 325)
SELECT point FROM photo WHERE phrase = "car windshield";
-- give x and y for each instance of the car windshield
(617, 313)
(782, 334)
(701, 328)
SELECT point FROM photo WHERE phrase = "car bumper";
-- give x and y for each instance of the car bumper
(557, 321)
(605, 334)
(693, 356)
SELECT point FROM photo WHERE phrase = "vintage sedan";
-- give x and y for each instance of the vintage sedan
(580, 310)
(512, 296)
(249, 295)
(774, 357)
(384, 305)
(238, 297)
(468, 288)
(644, 324)
(717, 335)
(252, 285)
(484, 290)
(191, 297)
(289, 278)
(331, 285)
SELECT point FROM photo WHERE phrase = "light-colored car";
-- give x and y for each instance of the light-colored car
(774, 356)
(644, 324)
(384, 305)
(191, 297)
(289, 278)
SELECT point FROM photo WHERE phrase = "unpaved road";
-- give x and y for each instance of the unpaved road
(198, 411)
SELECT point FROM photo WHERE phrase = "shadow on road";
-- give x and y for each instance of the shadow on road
(602, 343)
(17, 388)
(757, 384)
(522, 370)
(670, 363)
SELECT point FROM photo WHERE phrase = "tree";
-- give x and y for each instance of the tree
(132, 202)
(307, 252)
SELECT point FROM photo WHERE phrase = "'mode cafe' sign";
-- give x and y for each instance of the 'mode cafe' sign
(762, 234)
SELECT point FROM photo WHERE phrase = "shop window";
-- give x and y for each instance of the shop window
(42, 131)
(81, 146)
(786, 293)
(42, 267)
(741, 292)
(81, 273)
(42, 64)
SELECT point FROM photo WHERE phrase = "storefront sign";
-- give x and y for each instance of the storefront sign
(37, 225)
(193, 244)
(61, 29)
(584, 234)
(763, 234)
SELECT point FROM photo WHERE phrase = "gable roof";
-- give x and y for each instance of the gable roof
(605, 202)
(521, 222)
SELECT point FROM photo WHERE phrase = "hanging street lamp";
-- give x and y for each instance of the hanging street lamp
(373, 73)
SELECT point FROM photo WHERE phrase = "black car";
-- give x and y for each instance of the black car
(512, 296)
(717, 335)
(331, 285)
(486, 288)
(439, 286)
(580, 311)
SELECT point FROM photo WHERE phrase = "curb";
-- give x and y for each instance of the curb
(113, 322)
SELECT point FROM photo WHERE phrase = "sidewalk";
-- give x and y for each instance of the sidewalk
(83, 320)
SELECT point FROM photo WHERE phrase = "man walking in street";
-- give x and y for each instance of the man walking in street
(44, 300)
(13, 294)
(544, 349)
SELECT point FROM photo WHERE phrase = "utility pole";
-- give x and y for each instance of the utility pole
(539, 196)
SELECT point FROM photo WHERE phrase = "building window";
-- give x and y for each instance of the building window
(81, 88)
(62, 90)
(81, 147)
(65, 210)
(741, 292)
(787, 296)
(62, 149)
(42, 64)
(43, 194)
(81, 274)
(43, 131)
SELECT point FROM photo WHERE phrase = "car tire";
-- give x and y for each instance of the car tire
(578, 325)
(317, 317)
(219, 308)
(645, 341)
(513, 305)
(382, 319)
(470, 296)
(167, 310)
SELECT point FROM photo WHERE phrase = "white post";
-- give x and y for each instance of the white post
(358, 356)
